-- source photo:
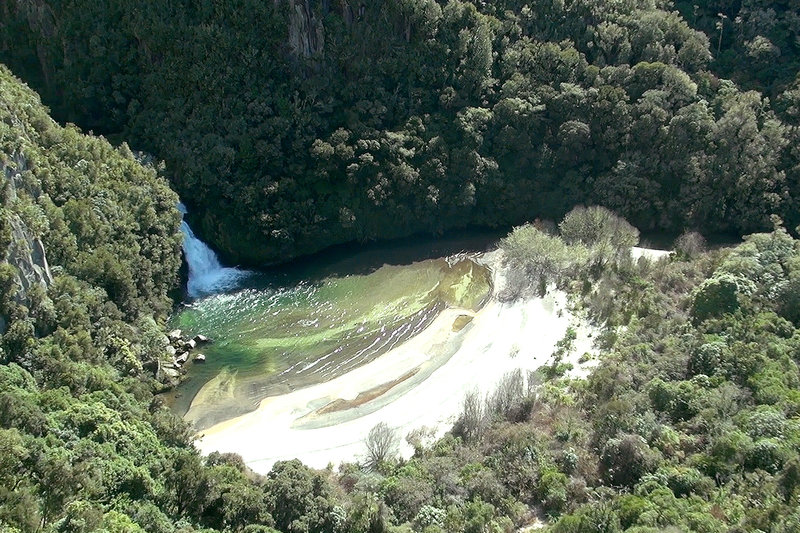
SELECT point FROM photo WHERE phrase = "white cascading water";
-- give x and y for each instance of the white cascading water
(206, 274)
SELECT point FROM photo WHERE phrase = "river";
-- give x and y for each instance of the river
(282, 329)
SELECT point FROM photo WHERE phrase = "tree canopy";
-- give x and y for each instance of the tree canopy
(290, 126)
(293, 125)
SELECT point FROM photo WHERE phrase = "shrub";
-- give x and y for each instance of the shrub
(626, 459)
(553, 491)
(596, 518)
(705, 358)
(594, 225)
(540, 257)
(690, 245)
(472, 421)
(719, 295)
(382, 445)
(506, 400)
(429, 515)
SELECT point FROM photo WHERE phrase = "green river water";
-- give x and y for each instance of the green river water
(273, 332)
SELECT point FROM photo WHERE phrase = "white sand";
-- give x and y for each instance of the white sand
(649, 253)
(500, 338)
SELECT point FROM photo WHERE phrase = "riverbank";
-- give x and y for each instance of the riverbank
(421, 382)
(274, 338)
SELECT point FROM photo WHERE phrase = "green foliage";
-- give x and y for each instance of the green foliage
(597, 225)
(591, 241)
(718, 295)
(429, 516)
(299, 498)
(86, 446)
(688, 421)
(690, 245)
(625, 459)
(752, 41)
(553, 490)
(341, 123)
(590, 519)
(539, 258)
(290, 130)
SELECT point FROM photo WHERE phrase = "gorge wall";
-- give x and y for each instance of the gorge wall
(288, 127)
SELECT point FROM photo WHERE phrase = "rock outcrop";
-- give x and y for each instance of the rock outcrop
(41, 20)
(177, 355)
(306, 33)
(25, 250)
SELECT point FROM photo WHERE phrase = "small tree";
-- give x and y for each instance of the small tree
(595, 225)
(420, 437)
(789, 298)
(540, 257)
(719, 295)
(508, 396)
(625, 459)
(382, 443)
(690, 244)
(472, 422)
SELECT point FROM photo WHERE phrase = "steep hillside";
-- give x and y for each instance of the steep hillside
(289, 126)
(90, 248)
(688, 422)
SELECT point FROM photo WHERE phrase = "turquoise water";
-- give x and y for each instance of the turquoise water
(277, 332)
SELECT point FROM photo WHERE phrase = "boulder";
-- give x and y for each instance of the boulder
(201, 339)
(200, 358)
(190, 344)
(170, 350)
(175, 335)
(182, 358)
(171, 372)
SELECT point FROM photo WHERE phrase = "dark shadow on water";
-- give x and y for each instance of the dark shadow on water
(361, 259)
(356, 258)
(364, 258)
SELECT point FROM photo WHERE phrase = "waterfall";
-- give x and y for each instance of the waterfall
(206, 274)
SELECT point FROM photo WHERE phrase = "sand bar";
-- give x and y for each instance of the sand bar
(422, 382)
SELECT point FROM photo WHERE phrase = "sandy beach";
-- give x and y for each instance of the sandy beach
(421, 382)
(649, 253)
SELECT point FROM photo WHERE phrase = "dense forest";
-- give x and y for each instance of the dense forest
(754, 42)
(688, 423)
(292, 125)
(289, 126)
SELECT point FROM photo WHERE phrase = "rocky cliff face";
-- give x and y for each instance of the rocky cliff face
(25, 251)
(306, 33)
(41, 20)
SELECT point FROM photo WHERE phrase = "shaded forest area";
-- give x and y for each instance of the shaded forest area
(754, 42)
(290, 126)
(689, 422)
